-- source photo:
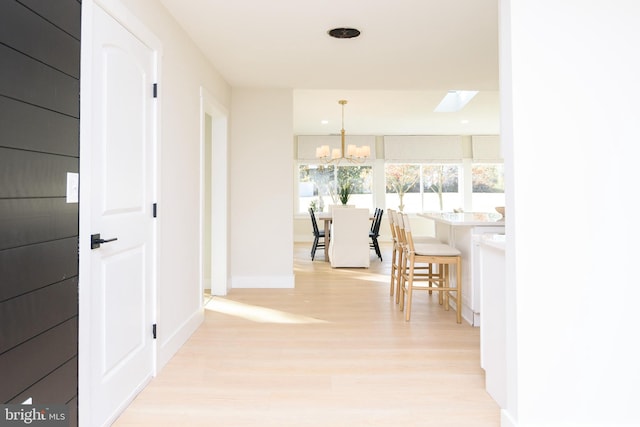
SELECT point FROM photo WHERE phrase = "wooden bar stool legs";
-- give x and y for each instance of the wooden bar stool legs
(394, 254)
(436, 259)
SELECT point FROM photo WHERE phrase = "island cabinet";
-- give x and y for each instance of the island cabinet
(493, 332)
(464, 231)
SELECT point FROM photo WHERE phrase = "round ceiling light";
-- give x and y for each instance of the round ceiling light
(344, 33)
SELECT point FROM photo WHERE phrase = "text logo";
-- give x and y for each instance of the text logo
(34, 415)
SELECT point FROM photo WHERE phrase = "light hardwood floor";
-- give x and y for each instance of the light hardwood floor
(335, 351)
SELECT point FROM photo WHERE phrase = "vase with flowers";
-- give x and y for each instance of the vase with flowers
(344, 192)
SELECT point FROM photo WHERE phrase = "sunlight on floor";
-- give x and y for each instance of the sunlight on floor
(364, 274)
(367, 276)
(372, 277)
(256, 313)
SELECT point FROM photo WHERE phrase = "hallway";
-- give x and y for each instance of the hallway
(335, 351)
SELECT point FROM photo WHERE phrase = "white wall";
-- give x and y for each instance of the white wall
(183, 71)
(261, 186)
(570, 121)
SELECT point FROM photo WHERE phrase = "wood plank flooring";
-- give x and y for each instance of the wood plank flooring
(335, 351)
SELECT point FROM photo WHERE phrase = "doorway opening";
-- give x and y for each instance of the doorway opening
(213, 196)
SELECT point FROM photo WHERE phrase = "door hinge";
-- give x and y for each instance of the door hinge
(155, 210)
(154, 331)
(155, 90)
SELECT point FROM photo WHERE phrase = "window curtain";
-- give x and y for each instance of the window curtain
(486, 149)
(423, 149)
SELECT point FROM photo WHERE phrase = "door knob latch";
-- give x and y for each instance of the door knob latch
(96, 241)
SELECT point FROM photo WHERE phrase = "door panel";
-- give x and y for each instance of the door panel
(119, 271)
(123, 187)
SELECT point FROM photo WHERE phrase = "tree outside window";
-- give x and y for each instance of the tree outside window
(315, 183)
(318, 185)
(440, 179)
(487, 186)
(488, 178)
(402, 179)
(422, 187)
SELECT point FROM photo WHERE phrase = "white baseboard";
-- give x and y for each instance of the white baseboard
(263, 282)
(168, 346)
(506, 420)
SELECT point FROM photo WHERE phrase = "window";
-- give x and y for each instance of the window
(487, 186)
(403, 187)
(440, 184)
(422, 187)
(318, 184)
(417, 173)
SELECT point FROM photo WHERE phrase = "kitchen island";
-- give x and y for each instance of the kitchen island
(464, 231)
(493, 332)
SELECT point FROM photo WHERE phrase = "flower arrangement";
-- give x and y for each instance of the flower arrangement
(344, 192)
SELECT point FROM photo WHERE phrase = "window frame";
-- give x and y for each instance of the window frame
(298, 163)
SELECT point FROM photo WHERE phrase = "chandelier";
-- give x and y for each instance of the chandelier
(352, 154)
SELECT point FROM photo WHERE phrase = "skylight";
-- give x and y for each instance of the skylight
(455, 100)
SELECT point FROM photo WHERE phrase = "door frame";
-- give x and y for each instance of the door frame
(216, 191)
(128, 20)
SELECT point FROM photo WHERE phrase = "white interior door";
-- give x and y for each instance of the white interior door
(122, 181)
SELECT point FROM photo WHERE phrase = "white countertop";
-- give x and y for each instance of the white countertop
(466, 218)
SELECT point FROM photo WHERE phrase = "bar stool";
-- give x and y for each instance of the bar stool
(400, 246)
(396, 252)
(437, 279)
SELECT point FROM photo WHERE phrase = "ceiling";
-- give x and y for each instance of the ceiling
(409, 54)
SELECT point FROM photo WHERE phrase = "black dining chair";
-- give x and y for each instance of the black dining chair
(317, 235)
(374, 233)
(375, 215)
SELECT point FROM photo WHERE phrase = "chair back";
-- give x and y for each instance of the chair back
(314, 222)
(349, 245)
(392, 225)
(408, 237)
(399, 223)
(331, 208)
(377, 220)
(375, 215)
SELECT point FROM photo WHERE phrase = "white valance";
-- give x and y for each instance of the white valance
(423, 148)
(486, 148)
(307, 144)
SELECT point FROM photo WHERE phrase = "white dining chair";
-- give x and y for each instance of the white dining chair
(349, 244)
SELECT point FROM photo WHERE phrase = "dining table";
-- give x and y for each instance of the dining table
(326, 218)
